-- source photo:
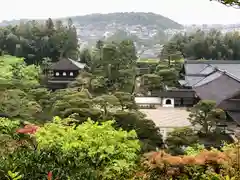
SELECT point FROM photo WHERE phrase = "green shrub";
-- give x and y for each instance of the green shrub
(88, 151)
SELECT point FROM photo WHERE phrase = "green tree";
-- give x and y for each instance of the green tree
(147, 131)
(169, 76)
(106, 102)
(15, 103)
(179, 139)
(113, 66)
(205, 45)
(151, 82)
(126, 100)
(205, 115)
(35, 41)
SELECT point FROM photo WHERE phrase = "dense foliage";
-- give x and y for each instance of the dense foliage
(201, 164)
(85, 98)
(66, 134)
(181, 138)
(204, 45)
(112, 67)
(35, 41)
(76, 152)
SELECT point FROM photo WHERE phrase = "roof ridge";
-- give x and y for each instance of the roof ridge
(211, 61)
(215, 70)
(205, 67)
(228, 74)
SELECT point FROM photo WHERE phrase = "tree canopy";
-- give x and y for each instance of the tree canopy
(204, 45)
(35, 40)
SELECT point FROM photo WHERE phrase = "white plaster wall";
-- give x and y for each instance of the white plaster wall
(168, 105)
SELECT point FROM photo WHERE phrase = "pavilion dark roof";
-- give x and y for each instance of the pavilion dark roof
(67, 64)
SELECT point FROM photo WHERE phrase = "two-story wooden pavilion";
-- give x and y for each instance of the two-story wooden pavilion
(61, 73)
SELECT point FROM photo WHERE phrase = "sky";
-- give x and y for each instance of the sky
(182, 11)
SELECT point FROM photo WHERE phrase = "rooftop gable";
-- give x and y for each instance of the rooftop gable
(208, 78)
(205, 67)
(219, 87)
(67, 64)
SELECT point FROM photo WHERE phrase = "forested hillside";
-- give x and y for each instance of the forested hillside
(139, 18)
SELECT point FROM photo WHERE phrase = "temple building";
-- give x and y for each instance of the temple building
(218, 81)
(64, 71)
(194, 71)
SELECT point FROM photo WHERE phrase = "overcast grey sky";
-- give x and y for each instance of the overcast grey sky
(182, 11)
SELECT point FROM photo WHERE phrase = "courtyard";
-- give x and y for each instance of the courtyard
(168, 118)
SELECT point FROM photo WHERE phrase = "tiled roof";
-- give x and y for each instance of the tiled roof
(219, 89)
(207, 70)
(230, 105)
(235, 116)
(191, 80)
(191, 69)
(67, 64)
(209, 78)
(205, 67)
(211, 62)
(78, 64)
(234, 69)
(178, 93)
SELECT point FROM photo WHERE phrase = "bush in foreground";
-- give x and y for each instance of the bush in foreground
(88, 151)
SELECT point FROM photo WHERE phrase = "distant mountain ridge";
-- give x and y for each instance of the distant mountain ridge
(127, 18)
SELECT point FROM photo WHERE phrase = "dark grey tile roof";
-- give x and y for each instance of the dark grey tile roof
(230, 105)
(78, 64)
(194, 68)
(235, 116)
(209, 78)
(234, 69)
(207, 70)
(211, 61)
(67, 64)
(219, 89)
(205, 67)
